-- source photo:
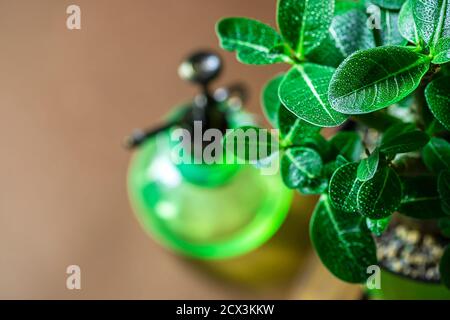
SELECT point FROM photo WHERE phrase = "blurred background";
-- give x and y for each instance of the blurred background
(67, 99)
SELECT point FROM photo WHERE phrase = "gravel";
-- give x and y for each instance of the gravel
(406, 251)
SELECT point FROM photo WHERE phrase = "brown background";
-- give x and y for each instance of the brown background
(67, 99)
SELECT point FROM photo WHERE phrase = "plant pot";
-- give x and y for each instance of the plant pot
(401, 287)
(409, 253)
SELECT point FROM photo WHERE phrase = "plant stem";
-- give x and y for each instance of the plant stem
(377, 37)
(423, 118)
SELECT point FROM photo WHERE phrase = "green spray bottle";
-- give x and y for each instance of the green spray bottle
(197, 208)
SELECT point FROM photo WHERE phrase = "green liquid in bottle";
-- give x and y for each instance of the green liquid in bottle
(204, 211)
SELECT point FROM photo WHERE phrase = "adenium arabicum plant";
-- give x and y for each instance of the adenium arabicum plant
(392, 80)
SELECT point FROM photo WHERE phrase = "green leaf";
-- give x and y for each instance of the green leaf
(304, 92)
(444, 267)
(348, 33)
(348, 144)
(432, 18)
(380, 196)
(373, 79)
(437, 94)
(445, 69)
(304, 23)
(442, 51)
(444, 190)
(444, 226)
(397, 130)
(378, 226)
(342, 6)
(313, 186)
(420, 198)
(270, 101)
(330, 167)
(293, 130)
(405, 142)
(344, 187)
(389, 4)
(342, 242)
(368, 166)
(327, 54)
(406, 24)
(254, 41)
(436, 155)
(301, 169)
(340, 161)
(250, 143)
(390, 34)
(318, 143)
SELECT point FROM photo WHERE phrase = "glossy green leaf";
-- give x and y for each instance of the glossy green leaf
(378, 226)
(348, 144)
(293, 130)
(432, 18)
(343, 6)
(433, 127)
(348, 33)
(436, 155)
(437, 94)
(442, 51)
(445, 69)
(389, 4)
(301, 169)
(313, 186)
(304, 92)
(420, 198)
(405, 142)
(368, 166)
(397, 130)
(444, 226)
(318, 143)
(373, 79)
(344, 187)
(380, 196)
(444, 190)
(342, 242)
(250, 143)
(340, 161)
(330, 167)
(304, 23)
(327, 54)
(444, 267)
(270, 101)
(406, 24)
(389, 32)
(254, 41)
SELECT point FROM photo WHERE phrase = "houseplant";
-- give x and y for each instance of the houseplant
(381, 68)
